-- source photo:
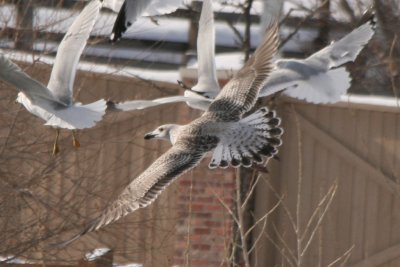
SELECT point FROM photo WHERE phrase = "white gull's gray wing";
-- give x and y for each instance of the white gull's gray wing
(63, 74)
(145, 189)
(127, 15)
(325, 87)
(142, 104)
(313, 79)
(344, 50)
(114, 5)
(206, 69)
(33, 89)
(304, 81)
(131, 10)
(162, 7)
(241, 92)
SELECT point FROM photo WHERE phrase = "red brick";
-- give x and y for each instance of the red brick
(202, 215)
(203, 231)
(212, 223)
(201, 246)
(197, 207)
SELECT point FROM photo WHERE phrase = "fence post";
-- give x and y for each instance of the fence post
(105, 260)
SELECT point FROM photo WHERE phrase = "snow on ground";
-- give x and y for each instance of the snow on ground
(10, 259)
(128, 265)
(168, 29)
(96, 253)
(372, 100)
(7, 17)
(106, 51)
(148, 74)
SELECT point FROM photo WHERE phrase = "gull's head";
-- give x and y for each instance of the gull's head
(166, 132)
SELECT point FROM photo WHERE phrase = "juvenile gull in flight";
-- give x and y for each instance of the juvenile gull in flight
(54, 103)
(235, 140)
(207, 87)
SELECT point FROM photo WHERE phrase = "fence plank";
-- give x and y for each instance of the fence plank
(380, 257)
(375, 174)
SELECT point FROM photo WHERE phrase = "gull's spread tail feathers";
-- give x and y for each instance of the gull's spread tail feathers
(323, 88)
(248, 140)
(78, 116)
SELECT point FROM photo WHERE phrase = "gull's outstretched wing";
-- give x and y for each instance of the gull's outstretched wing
(145, 189)
(114, 5)
(344, 50)
(206, 69)
(272, 11)
(142, 104)
(241, 92)
(127, 15)
(304, 81)
(131, 10)
(313, 79)
(33, 89)
(63, 74)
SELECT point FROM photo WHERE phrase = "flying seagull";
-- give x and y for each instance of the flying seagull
(54, 103)
(201, 95)
(319, 78)
(130, 10)
(235, 140)
(316, 79)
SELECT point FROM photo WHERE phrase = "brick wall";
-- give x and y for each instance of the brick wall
(204, 227)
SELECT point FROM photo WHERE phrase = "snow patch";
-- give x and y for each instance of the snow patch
(147, 74)
(96, 253)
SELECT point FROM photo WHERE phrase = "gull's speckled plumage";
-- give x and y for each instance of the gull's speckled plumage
(197, 138)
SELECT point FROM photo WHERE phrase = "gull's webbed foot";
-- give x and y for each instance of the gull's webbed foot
(75, 141)
(56, 148)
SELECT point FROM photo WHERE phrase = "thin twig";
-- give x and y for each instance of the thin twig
(332, 195)
(345, 257)
(240, 215)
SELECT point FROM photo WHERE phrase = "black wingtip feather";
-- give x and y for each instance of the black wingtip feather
(223, 164)
(276, 131)
(235, 162)
(119, 25)
(274, 122)
(246, 162)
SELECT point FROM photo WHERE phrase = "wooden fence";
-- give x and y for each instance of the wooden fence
(347, 153)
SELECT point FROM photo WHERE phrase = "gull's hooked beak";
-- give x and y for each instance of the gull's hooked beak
(150, 135)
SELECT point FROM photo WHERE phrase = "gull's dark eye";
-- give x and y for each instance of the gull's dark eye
(161, 129)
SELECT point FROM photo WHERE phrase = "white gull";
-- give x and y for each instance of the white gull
(54, 103)
(320, 78)
(207, 87)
